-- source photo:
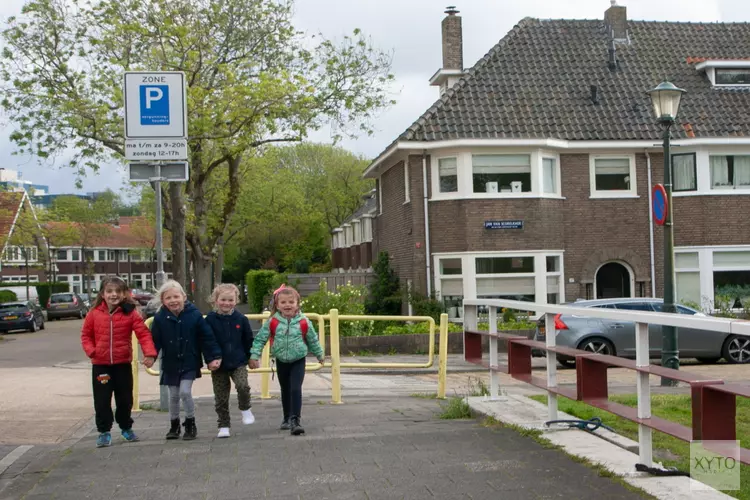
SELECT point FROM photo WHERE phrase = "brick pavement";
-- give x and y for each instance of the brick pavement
(368, 448)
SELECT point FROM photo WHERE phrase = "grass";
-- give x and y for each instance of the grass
(457, 407)
(670, 451)
(363, 353)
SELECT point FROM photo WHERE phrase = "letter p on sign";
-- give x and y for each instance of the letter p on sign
(154, 104)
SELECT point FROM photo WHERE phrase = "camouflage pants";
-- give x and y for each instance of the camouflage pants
(222, 388)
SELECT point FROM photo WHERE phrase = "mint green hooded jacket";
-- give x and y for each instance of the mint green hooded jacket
(288, 344)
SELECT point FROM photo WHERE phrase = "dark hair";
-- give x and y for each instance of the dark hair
(120, 284)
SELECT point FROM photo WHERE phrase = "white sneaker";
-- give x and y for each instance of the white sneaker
(223, 432)
(247, 417)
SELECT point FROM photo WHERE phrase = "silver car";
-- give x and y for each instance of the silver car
(617, 338)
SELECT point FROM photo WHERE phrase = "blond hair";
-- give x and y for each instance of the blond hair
(170, 285)
(224, 288)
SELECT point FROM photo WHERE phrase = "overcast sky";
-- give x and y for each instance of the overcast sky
(410, 29)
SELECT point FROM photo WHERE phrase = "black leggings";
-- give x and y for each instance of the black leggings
(291, 376)
(109, 379)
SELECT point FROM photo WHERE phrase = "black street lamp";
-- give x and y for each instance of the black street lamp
(665, 99)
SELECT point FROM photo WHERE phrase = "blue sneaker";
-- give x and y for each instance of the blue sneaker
(129, 436)
(104, 439)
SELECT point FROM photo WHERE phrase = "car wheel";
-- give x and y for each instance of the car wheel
(736, 349)
(567, 363)
(41, 327)
(597, 345)
(34, 327)
(708, 361)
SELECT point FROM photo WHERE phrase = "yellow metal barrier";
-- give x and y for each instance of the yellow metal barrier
(334, 318)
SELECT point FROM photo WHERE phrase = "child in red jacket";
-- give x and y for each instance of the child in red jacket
(106, 339)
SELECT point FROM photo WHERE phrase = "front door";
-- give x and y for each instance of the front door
(613, 281)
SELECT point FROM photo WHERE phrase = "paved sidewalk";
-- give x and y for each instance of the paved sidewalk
(368, 448)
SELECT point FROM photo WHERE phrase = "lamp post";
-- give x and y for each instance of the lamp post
(665, 99)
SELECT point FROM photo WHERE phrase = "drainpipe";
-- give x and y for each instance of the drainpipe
(426, 221)
(651, 227)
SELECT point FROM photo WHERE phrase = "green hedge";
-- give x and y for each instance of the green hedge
(44, 290)
(7, 296)
(260, 284)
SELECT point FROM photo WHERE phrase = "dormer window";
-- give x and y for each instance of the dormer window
(727, 73)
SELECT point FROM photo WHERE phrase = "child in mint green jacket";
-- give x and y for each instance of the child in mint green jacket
(293, 336)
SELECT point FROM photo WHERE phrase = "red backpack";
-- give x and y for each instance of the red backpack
(275, 322)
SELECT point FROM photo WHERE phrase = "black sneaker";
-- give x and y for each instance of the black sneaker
(285, 425)
(296, 427)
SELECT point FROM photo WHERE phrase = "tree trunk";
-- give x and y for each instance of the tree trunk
(219, 264)
(202, 268)
(177, 209)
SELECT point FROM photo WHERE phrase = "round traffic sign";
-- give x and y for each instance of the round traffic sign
(659, 204)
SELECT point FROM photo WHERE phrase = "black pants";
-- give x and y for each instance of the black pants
(117, 379)
(291, 376)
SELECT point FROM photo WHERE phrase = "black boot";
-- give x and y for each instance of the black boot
(285, 425)
(174, 430)
(296, 427)
(191, 431)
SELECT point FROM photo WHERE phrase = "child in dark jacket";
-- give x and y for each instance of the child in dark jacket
(182, 335)
(235, 337)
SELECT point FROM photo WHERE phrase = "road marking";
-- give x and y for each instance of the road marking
(13, 456)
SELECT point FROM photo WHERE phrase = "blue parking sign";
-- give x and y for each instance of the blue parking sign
(154, 106)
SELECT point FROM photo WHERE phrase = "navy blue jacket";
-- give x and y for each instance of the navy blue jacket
(235, 337)
(182, 339)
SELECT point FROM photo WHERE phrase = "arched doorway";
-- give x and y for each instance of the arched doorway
(613, 280)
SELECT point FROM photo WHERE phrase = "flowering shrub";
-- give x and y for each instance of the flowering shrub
(348, 299)
(422, 327)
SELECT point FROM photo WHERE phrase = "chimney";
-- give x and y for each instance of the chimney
(453, 47)
(616, 20)
(453, 52)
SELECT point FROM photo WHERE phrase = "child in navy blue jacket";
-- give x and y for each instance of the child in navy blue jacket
(235, 337)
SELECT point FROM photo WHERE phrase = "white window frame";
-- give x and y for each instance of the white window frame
(465, 173)
(706, 267)
(703, 171)
(57, 257)
(605, 194)
(556, 169)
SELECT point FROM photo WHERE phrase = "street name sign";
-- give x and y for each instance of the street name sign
(147, 172)
(155, 105)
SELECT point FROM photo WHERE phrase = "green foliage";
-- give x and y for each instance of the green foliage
(455, 409)
(733, 296)
(508, 325)
(259, 286)
(44, 290)
(7, 296)
(348, 299)
(422, 327)
(385, 291)
(426, 306)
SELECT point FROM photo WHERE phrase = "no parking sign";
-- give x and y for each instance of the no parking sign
(659, 204)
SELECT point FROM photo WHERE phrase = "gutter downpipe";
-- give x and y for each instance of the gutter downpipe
(651, 226)
(426, 223)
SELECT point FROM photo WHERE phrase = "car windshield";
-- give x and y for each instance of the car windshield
(61, 298)
(12, 306)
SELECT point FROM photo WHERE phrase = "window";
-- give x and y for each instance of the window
(505, 265)
(684, 176)
(448, 173)
(75, 255)
(122, 255)
(62, 255)
(730, 172)
(613, 176)
(635, 306)
(549, 175)
(727, 76)
(406, 182)
(102, 255)
(450, 266)
(501, 173)
(89, 255)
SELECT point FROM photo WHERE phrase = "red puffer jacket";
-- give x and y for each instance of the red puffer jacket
(106, 338)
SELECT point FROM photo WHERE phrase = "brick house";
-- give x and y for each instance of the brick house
(538, 164)
(23, 244)
(351, 243)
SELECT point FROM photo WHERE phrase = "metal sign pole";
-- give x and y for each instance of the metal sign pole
(159, 243)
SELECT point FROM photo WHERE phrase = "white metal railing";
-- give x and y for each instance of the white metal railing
(641, 319)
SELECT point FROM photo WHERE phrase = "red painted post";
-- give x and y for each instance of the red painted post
(519, 359)
(717, 411)
(591, 378)
(472, 347)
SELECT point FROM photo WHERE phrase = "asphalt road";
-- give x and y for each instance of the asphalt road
(59, 343)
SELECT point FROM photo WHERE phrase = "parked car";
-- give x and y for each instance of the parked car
(23, 315)
(86, 299)
(617, 338)
(141, 296)
(66, 305)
